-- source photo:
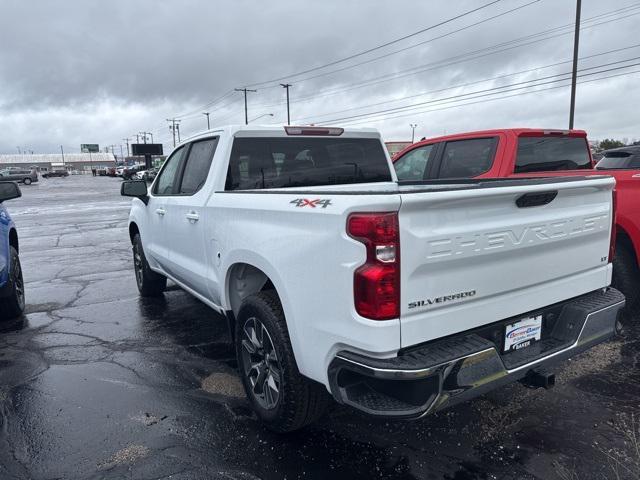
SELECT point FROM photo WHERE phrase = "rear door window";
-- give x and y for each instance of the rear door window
(280, 162)
(197, 167)
(543, 154)
(412, 165)
(467, 158)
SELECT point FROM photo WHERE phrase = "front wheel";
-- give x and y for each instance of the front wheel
(150, 283)
(27, 181)
(283, 399)
(12, 305)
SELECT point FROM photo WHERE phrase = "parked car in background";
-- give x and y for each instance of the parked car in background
(140, 175)
(110, 171)
(150, 175)
(623, 158)
(536, 152)
(119, 171)
(131, 171)
(11, 283)
(398, 299)
(19, 175)
(55, 173)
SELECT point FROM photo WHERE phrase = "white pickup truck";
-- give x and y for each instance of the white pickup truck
(398, 298)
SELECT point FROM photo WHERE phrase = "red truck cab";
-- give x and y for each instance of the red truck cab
(515, 152)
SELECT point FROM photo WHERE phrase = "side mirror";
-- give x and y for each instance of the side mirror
(135, 188)
(9, 191)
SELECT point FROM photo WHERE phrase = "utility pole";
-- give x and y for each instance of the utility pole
(127, 142)
(246, 111)
(174, 128)
(137, 138)
(144, 136)
(207, 114)
(19, 151)
(413, 131)
(286, 86)
(62, 152)
(574, 73)
(121, 154)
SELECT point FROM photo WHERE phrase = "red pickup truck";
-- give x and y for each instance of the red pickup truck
(518, 152)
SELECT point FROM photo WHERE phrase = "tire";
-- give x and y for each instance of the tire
(27, 181)
(13, 305)
(626, 274)
(150, 283)
(296, 401)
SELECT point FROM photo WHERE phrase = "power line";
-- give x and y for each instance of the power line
(473, 55)
(453, 87)
(486, 100)
(482, 93)
(378, 47)
(404, 49)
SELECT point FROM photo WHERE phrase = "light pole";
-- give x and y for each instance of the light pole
(286, 86)
(207, 114)
(413, 130)
(574, 73)
(257, 118)
(62, 152)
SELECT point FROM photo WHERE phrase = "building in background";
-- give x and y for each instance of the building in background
(82, 162)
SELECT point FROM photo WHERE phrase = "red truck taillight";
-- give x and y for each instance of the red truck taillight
(376, 283)
(612, 241)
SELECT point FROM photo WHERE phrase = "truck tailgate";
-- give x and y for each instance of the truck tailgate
(474, 256)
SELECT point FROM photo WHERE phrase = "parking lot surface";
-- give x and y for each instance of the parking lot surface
(96, 382)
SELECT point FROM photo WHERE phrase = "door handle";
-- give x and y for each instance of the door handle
(192, 216)
(160, 211)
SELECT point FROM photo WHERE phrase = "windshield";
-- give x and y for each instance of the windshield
(614, 160)
(258, 163)
(540, 154)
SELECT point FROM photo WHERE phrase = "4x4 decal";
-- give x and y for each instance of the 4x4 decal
(305, 202)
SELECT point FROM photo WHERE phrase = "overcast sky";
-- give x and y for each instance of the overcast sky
(96, 71)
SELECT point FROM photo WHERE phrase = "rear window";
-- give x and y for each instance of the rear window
(258, 163)
(543, 154)
(613, 160)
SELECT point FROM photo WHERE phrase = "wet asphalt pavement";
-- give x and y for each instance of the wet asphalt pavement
(96, 382)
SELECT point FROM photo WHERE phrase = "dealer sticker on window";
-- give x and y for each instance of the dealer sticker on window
(523, 333)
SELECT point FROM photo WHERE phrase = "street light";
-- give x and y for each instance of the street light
(207, 114)
(413, 130)
(263, 115)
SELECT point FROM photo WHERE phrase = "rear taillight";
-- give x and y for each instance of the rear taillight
(376, 283)
(612, 242)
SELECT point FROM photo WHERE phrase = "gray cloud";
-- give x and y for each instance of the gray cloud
(94, 71)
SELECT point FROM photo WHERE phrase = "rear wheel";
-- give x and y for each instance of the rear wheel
(150, 283)
(626, 274)
(283, 399)
(27, 181)
(13, 305)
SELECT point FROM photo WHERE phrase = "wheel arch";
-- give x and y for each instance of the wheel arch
(13, 239)
(133, 231)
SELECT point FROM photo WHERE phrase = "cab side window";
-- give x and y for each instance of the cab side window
(412, 166)
(467, 158)
(167, 179)
(198, 165)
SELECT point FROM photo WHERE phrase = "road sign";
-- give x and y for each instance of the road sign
(89, 148)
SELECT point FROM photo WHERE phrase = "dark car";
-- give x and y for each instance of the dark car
(130, 172)
(620, 158)
(150, 175)
(11, 282)
(19, 175)
(55, 173)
